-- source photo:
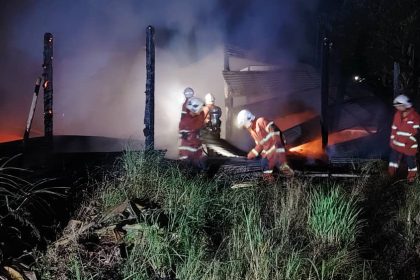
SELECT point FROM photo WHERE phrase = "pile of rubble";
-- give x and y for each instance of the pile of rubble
(98, 239)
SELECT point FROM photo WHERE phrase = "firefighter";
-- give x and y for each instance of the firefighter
(188, 93)
(269, 143)
(212, 114)
(190, 149)
(403, 140)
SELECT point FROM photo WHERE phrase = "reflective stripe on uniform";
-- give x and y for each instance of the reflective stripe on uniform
(268, 171)
(392, 136)
(272, 149)
(268, 126)
(396, 143)
(187, 148)
(403, 133)
(183, 157)
(184, 130)
(269, 135)
(412, 138)
(410, 122)
(412, 169)
(416, 126)
(394, 127)
(414, 146)
(393, 164)
(254, 152)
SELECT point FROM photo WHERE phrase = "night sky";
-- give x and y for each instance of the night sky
(99, 56)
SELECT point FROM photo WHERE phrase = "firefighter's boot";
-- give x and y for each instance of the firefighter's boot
(268, 177)
(392, 171)
(411, 176)
(286, 170)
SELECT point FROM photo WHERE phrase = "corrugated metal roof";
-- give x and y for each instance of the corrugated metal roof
(235, 51)
(295, 79)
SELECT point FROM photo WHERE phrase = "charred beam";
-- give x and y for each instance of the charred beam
(226, 60)
(325, 90)
(149, 113)
(32, 109)
(47, 76)
(396, 79)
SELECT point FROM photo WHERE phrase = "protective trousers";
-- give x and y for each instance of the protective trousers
(395, 158)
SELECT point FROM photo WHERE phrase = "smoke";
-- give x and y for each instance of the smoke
(99, 57)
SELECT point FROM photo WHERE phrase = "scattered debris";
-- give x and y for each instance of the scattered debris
(99, 238)
(18, 272)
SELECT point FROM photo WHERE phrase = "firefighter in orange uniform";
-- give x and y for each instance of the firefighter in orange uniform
(188, 93)
(190, 149)
(269, 143)
(212, 114)
(403, 140)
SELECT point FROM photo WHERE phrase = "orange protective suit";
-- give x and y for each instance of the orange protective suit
(190, 148)
(403, 142)
(269, 144)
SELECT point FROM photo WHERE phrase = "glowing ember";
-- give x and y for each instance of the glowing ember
(349, 134)
(313, 149)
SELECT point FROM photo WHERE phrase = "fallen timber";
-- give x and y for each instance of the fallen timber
(233, 164)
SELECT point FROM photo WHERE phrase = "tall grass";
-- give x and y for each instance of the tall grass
(409, 215)
(334, 218)
(21, 202)
(178, 244)
(214, 232)
(267, 231)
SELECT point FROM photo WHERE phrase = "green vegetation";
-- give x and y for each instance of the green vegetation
(20, 201)
(333, 218)
(197, 228)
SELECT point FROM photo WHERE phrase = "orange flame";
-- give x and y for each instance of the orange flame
(313, 149)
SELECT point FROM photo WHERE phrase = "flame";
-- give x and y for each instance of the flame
(349, 134)
(313, 149)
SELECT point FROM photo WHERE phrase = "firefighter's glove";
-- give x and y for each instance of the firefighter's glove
(183, 135)
(252, 154)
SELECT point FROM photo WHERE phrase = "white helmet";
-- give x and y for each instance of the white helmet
(195, 105)
(188, 92)
(244, 119)
(402, 100)
(209, 98)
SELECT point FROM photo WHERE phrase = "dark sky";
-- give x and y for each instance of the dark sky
(99, 54)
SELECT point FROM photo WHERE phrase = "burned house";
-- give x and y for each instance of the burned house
(357, 121)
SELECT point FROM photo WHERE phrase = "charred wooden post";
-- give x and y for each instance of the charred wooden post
(396, 79)
(325, 91)
(228, 97)
(226, 61)
(32, 110)
(47, 76)
(149, 112)
(318, 44)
